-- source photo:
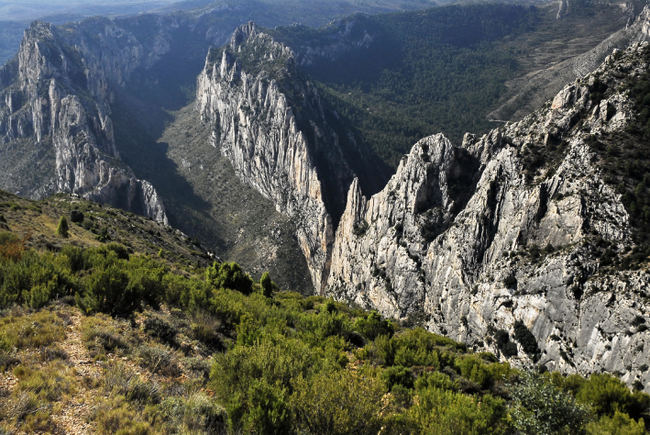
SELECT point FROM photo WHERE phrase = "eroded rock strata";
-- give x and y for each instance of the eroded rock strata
(495, 240)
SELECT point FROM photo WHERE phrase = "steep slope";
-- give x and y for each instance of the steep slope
(56, 131)
(92, 225)
(105, 337)
(512, 235)
(280, 137)
(544, 79)
(205, 198)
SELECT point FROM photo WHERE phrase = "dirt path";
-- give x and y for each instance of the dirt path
(72, 418)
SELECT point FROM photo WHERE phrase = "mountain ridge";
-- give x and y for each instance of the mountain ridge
(523, 248)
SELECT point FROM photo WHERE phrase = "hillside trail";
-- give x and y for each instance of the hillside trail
(74, 414)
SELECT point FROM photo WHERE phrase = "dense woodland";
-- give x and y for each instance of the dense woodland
(177, 347)
(424, 72)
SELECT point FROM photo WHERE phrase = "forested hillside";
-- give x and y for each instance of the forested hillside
(400, 77)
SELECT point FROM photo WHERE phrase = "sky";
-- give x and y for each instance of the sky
(26, 10)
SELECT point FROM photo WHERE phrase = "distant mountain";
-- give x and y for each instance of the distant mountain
(15, 16)
(399, 77)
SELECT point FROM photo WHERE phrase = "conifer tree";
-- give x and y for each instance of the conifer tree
(62, 229)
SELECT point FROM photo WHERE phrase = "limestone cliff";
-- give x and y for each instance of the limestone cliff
(272, 125)
(497, 241)
(54, 111)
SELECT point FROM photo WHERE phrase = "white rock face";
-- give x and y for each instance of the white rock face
(257, 129)
(454, 239)
(53, 100)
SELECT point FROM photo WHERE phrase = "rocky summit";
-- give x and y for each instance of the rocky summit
(500, 239)
(56, 133)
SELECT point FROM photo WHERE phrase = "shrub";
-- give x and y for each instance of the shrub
(205, 328)
(11, 247)
(360, 228)
(619, 424)
(267, 285)
(253, 382)
(160, 328)
(120, 250)
(230, 276)
(510, 282)
(435, 380)
(607, 394)
(397, 375)
(196, 414)
(31, 331)
(437, 411)
(483, 374)
(418, 347)
(268, 409)
(372, 326)
(540, 407)
(20, 406)
(76, 216)
(121, 380)
(7, 359)
(248, 331)
(159, 359)
(101, 335)
(107, 291)
(116, 417)
(340, 402)
(62, 228)
(48, 383)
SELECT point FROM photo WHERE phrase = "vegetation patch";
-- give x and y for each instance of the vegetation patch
(223, 354)
(31, 331)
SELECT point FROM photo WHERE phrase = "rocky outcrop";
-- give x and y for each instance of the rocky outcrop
(52, 100)
(498, 236)
(272, 126)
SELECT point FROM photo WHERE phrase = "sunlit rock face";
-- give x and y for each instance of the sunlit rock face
(470, 238)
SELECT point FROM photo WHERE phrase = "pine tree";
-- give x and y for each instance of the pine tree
(62, 229)
(266, 284)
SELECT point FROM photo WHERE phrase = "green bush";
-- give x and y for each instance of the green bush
(160, 328)
(372, 326)
(618, 424)
(62, 228)
(121, 380)
(540, 407)
(100, 335)
(242, 376)
(339, 402)
(438, 411)
(607, 394)
(31, 331)
(197, 413)
(229, 276)
(76, 216)
(107, 291)
(397, 375)
(159, 359)
(267, 285)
